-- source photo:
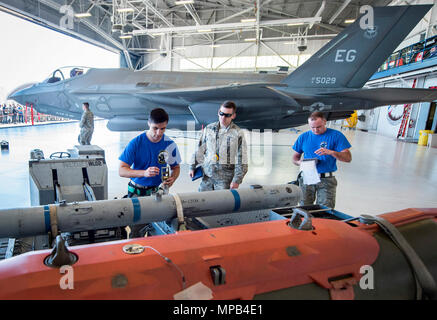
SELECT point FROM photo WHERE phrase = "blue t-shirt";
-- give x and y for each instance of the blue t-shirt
(308, 142)
(141, 154)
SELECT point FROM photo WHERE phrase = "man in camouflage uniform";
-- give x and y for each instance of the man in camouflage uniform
(222, 152)
(86, 125)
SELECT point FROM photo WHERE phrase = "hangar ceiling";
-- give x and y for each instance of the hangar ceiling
(136, 27)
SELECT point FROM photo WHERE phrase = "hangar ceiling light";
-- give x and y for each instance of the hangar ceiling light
(183, 2)
(248, 20)
(295, 24)
(125, 10)
(83, 15)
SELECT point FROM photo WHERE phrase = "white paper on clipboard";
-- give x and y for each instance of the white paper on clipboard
(309, 172)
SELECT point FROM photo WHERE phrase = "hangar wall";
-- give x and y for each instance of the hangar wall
(387, 120)
(199, 57)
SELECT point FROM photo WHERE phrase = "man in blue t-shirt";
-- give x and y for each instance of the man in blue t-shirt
(327, 146)
(146, 158)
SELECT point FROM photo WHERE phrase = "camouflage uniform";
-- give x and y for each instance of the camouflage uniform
(230, 146)
(87, 127)
(325, 190)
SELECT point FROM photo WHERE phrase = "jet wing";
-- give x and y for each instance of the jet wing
(231, 91)
(185, 92)
(388, 96)
(203, 102)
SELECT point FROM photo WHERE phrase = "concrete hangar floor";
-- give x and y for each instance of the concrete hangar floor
(384, 175)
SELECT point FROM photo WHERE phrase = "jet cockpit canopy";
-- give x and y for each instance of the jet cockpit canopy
(65, 73)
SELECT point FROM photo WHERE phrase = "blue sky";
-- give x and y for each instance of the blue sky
(30, 53)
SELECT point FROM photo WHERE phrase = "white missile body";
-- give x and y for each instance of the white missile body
(92, 215)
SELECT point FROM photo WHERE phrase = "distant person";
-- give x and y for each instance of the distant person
(86, 125)
(222, 152)
(1, 114)
(144, 160)
(14, 114)
(327, 146)
(5, 114)
(20, 114)
(9, 114)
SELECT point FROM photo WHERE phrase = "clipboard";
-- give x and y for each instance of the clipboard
(309, 171)
(198, 173)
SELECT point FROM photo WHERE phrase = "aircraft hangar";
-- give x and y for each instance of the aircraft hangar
(188, 57)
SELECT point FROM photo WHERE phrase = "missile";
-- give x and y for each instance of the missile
(92, 215)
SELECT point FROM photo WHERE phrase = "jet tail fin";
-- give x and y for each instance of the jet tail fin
(353, 56)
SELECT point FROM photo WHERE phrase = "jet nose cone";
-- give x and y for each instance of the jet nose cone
(19, 94)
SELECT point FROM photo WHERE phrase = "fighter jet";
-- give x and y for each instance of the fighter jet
(331, 81)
